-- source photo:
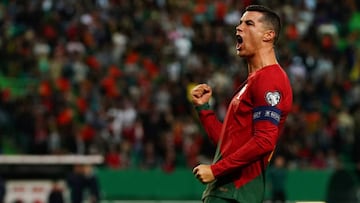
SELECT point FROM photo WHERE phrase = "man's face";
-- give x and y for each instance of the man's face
(249, 33)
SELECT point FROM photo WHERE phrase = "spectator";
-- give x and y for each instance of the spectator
(277, 176)
(92, 184)
(76, 183)
(56, 194)
(2, 190)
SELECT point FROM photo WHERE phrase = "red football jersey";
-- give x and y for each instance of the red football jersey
(248, 135)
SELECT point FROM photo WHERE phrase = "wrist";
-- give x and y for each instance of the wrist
(205, 106)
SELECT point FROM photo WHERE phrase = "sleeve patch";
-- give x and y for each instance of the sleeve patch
(272, 98)
(269, 113)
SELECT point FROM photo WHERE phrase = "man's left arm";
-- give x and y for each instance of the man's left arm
(263, 142)
(267, 101)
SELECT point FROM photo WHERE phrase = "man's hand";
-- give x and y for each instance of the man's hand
(201, 94)
(204, 173)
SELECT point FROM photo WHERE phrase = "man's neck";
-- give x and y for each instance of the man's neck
(264, 57)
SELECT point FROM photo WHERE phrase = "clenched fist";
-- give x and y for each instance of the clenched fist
(203, 173)
(201, 94)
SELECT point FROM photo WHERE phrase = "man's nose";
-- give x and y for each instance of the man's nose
(238, 28)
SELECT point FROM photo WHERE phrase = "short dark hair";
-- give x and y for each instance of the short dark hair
(269, 16)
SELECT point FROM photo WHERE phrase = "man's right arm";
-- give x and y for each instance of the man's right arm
(200, 96)
(210, 123)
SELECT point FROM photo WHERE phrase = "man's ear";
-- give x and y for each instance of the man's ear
(269, 35)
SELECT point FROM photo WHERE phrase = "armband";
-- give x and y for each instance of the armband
(269, 113)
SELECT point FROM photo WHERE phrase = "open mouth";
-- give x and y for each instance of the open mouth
(239, 39)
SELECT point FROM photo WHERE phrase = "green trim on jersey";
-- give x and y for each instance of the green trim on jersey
(205, 106)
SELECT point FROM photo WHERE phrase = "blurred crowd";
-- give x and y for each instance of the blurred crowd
(112, 77)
